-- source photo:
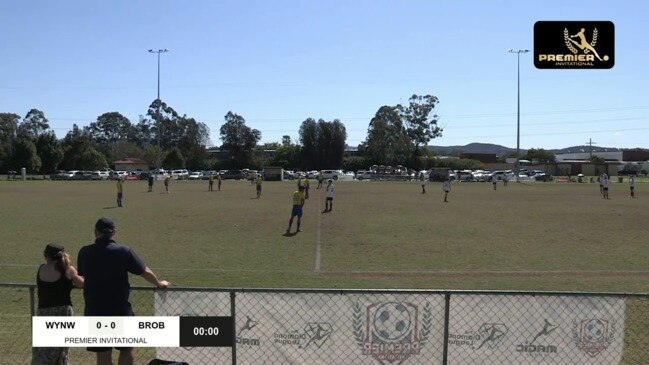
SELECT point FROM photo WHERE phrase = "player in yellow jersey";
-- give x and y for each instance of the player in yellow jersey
(210, 187)
(120, 182)
(258, 182)
(298, 203)
(167, 179)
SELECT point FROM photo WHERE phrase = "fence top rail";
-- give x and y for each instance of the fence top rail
(367, 291)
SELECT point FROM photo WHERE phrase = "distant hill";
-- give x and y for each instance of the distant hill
(471, 148)
(499, 150)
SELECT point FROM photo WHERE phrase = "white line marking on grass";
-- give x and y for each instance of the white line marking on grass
(318, 245)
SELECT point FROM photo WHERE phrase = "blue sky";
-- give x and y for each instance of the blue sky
(277, 63)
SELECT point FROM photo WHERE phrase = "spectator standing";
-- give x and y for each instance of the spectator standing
(54, 281)
(105, 265)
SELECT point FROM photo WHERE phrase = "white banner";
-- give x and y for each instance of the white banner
(400, 329)
(536, 330)
(309, 328)
(186, 303)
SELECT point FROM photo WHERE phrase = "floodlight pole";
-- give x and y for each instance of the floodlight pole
(158, 162)
(518, 108)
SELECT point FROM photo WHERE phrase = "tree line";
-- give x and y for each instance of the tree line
(396, 135)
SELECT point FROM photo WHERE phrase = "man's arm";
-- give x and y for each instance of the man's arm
(151, 277)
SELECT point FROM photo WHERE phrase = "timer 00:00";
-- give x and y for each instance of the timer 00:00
(209, 331)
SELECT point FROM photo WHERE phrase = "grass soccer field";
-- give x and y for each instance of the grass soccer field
(536, 236)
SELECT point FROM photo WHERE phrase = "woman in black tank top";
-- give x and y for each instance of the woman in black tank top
(55, 280)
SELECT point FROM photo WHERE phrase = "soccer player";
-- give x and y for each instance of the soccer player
(446, 186)
(605, 185)
(422, 181)
(219, 178)
(211, 183)
(150, 179)
(167, 178)
(329, 203)
(320, 178)
(494, 180)
(306, 188)
(298, 203)
(632, 185)
(258, 182)
(120, 182)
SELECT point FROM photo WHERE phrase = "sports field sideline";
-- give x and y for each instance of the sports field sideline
(536, 236)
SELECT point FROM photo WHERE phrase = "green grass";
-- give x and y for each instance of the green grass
(537, 236)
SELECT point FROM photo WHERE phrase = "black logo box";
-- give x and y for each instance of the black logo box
(549, 39)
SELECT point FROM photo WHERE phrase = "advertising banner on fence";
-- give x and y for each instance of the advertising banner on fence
(310, 328)
(536, 330)
(191, 303)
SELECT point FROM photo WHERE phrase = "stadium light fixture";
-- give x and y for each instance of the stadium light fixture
(518, 107)
(159, 51)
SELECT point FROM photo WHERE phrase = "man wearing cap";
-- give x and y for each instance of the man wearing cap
(105, 266)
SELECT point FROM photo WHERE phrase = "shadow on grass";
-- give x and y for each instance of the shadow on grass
(289, 234)
(110, 207)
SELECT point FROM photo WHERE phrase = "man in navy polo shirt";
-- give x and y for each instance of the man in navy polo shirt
(105, 266)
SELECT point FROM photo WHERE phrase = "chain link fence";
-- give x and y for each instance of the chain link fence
(389, 327)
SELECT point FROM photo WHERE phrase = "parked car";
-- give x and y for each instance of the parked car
(233, 174)
(289, 175)
(179, 174)
(59, 175)
(195, 175)
(363, 175)
(99, 175)
(331, 174)
(480, 175)
(542, 177)
(502, 175)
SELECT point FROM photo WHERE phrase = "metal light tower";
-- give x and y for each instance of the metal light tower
(158, 162)
(518, 109)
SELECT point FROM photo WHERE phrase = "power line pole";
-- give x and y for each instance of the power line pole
(591, 143)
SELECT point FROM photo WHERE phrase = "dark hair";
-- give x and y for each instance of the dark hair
(55, 253)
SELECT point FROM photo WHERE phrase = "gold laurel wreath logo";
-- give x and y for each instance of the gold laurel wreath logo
(566, 39)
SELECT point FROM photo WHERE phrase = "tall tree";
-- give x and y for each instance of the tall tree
(420, 123)
(174, 159)
(387, 139)
(309, 140)
(165, 123)
(50, 152)
(24, 155)
(238, 139)
(286, 155)
(33, 125)
(8, 127)
(109, 128)
(78, 152)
